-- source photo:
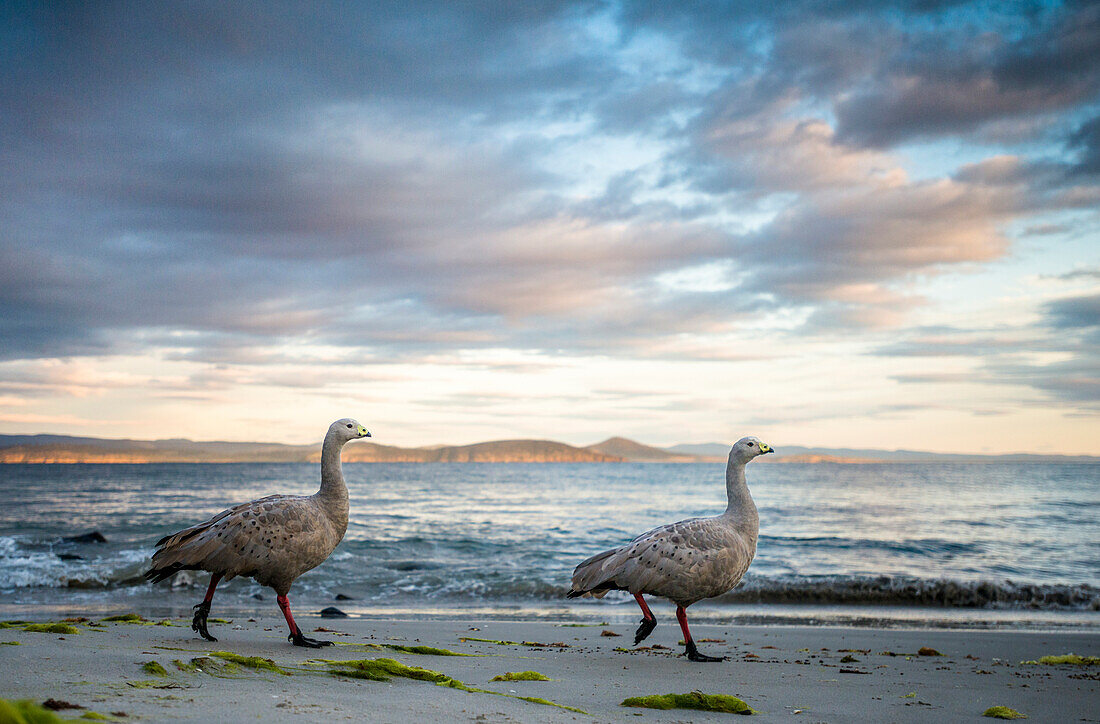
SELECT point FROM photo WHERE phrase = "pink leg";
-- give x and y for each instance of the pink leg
(648, 623)
(689, 643)
(202, 610)
(296, 636)
(215, 578)
(284, 605)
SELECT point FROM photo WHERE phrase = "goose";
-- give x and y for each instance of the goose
(272, 540)
(686, 561)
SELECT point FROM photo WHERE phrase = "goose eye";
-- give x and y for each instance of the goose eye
(750, 444)
(349, 427)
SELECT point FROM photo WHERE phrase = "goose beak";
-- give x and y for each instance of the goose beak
(363, 432)
(765, 448)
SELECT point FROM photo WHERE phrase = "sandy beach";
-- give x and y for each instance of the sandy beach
(813, 674)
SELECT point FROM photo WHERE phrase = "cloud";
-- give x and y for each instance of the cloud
(1087, 139)
(951, 342)
(1075, 380)
(71, 378)
(400, 182)
(1075, 313)
(1060, 357)
(1078, 274)
(952, 82)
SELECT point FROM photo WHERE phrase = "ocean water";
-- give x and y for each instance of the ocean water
(952, 544)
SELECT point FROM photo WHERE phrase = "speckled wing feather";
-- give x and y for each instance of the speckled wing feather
(273, 539)
(685, 562)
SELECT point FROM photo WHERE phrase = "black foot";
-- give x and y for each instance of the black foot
(299, 640)
(694, 655)
(644, 630)
(202, 610)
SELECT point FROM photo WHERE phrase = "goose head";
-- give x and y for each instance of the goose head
(347, 429)
(748, 448)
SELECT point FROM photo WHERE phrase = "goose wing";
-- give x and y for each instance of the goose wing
(684, 561)
(231, 543)
(632, 566)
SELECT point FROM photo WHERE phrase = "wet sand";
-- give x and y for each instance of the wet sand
(796, 673)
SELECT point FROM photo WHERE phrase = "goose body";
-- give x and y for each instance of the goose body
(686, 561)
(273, 540)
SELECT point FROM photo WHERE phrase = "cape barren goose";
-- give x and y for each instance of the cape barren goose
(273, 540)
(684, 562)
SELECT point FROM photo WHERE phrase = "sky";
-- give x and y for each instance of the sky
(856, 224)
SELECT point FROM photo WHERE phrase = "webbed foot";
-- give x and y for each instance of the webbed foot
(198, 623)
(694, 655)
(299, 640)
(644, 630)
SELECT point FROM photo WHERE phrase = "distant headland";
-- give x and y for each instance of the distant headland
(69, 449)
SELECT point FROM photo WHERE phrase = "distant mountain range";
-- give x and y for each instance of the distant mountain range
(67, 449)
(797, 453)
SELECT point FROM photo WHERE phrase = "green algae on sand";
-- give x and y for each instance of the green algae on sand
(227, 665)
(155, 684)
(1066, 659)
(26, 712)
(381, 670)
(206, 665)
(498, 642)
(419, 650)
(249, 662)
(191, 667)
(42, 627)
(456, 684)
(1003, 712)
(695, 700)
(131, 618)
(423, 650)
(153, 669)
(124, 618)
(385, 669)
(521, 676)
(57, 628)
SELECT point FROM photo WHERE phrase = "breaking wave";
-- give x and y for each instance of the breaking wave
(908, 591)
(29, 564)
(39, 565)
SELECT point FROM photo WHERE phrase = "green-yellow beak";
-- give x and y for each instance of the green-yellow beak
(765, 448)
(363, 432)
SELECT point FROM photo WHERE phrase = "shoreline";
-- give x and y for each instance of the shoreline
(63, 603)
(825, 673)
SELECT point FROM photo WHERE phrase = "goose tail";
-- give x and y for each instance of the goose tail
(595, 577)
(194, 548)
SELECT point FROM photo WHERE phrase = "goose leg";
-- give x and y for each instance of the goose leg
(296, 636)
(648, 622)
(202, 610)
(689, 643)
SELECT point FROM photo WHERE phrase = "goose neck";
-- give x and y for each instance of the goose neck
(740, 504)
(334, 491)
